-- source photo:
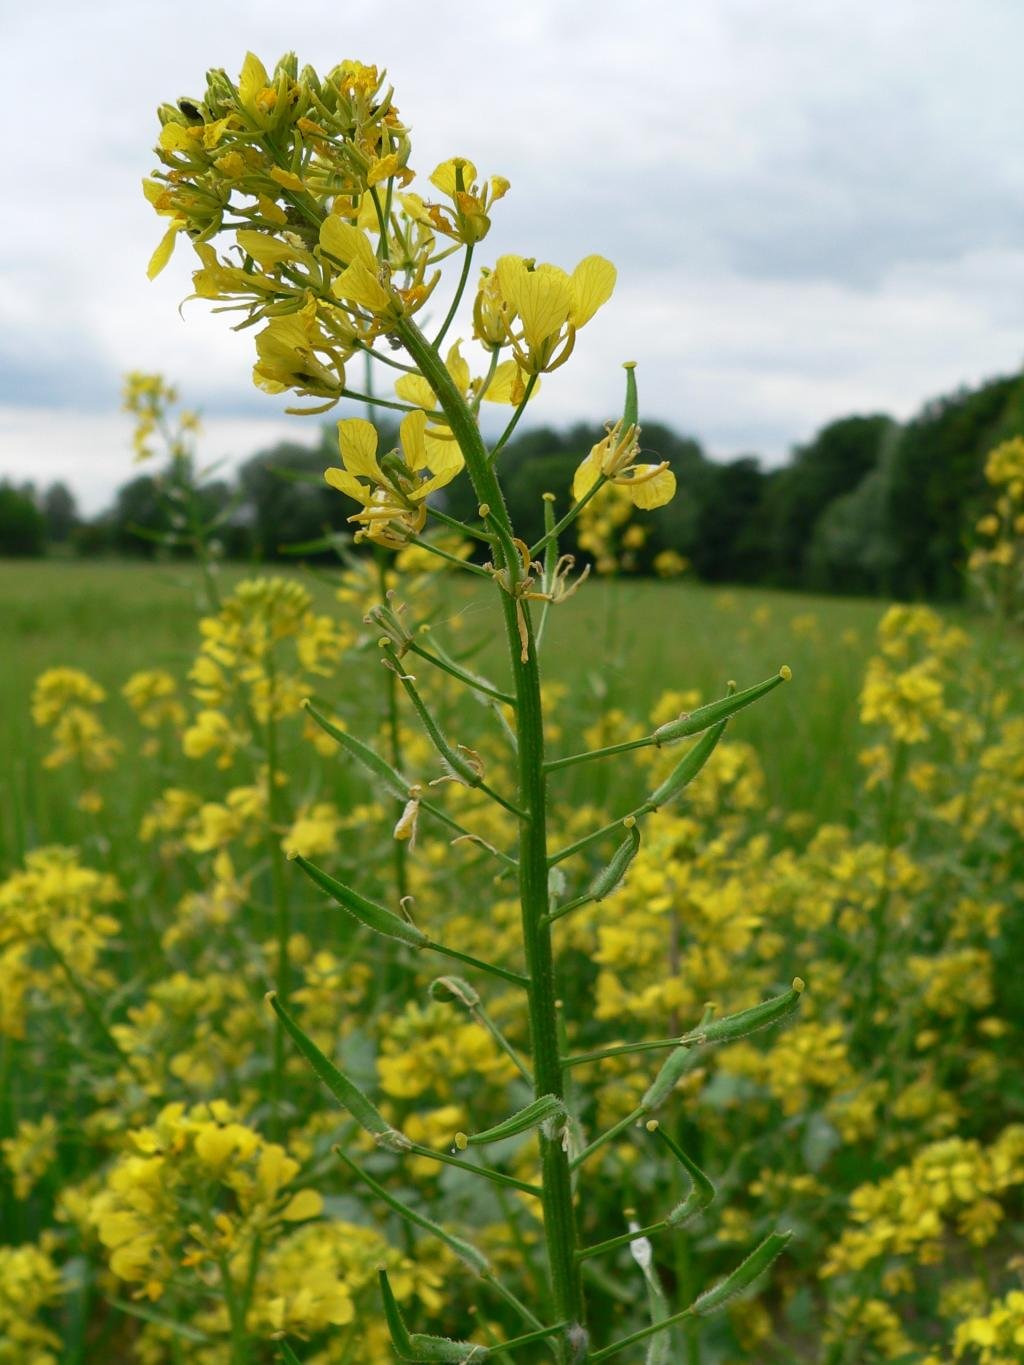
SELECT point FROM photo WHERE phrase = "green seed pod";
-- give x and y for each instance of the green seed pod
(346, 1092)
(618, 865)
(665, 1081)
(702, 1191)
(371, 914)
(541, 1111)
(419, 1347)
(392, 781)
(743, 1276)
(733, 1026)
(631, 410)
(706, 716)
(454, 988)
(687, 768)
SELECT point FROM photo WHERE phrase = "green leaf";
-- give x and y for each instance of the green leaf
(705, 716)
(346, 1092)
(287, 1354)
(367, 912)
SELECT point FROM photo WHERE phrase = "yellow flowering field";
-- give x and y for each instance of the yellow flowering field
(444, 956)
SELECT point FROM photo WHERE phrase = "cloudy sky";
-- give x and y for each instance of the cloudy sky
(816, 206)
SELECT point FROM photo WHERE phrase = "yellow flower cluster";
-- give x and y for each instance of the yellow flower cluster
(995, 1337)
(953, 1184)
(235, 1185)
(30, 1284)
(997, 560)
(65, 702)
(55, 923)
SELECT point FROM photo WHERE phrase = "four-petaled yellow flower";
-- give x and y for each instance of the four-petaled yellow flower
(392, 492)
(539, 308)
(614, 459)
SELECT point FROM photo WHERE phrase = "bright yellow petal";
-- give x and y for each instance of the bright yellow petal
(444, 175)
(288, 179)
(357, 441)
(162, 254)
(266, 250)
(252, 82)
(458, 368)
(410, 434)
(413, 388)
(544, 302)
(346, 483)
(356, 284)
(346, 243)
(174, 137)
(653, 492)
(587, 474)
(508, 385)
(444, 457)
(592, 283)
(303, 1204)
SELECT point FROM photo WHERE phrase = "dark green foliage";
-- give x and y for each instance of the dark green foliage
(22, 525)
(867, 506)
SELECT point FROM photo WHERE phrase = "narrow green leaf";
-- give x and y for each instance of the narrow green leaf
(346, 1092)
(720, 1295)
(686, 769)
(541, 1111)
(391, 780)
(733, 1026)
(418, 1347)
(367, 912)
(715, 711)
(476, 1260)
(287, 1354)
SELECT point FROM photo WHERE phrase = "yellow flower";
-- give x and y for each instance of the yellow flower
(393, 495)
(614, 459)
(548, 305)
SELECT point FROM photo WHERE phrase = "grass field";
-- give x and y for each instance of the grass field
(621, 644)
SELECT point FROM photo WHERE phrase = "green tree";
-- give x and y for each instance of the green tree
(22, 527)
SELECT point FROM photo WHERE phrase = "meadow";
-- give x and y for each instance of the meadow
(626, 643)
(170, 1185)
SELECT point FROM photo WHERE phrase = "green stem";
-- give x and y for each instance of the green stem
(447, 666)
(555, 531)
(460, 289)
(613, 1243)
(282, 909)
(557, 1196)
(487, 1172)
(503, 439)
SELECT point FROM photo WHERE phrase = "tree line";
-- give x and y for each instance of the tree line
(868, 506)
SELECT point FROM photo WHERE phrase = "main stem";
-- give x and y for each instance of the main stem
(557, 1197)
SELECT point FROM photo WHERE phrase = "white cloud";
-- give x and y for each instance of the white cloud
(814, 207)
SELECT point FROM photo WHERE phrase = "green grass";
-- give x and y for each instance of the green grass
(620, 644)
